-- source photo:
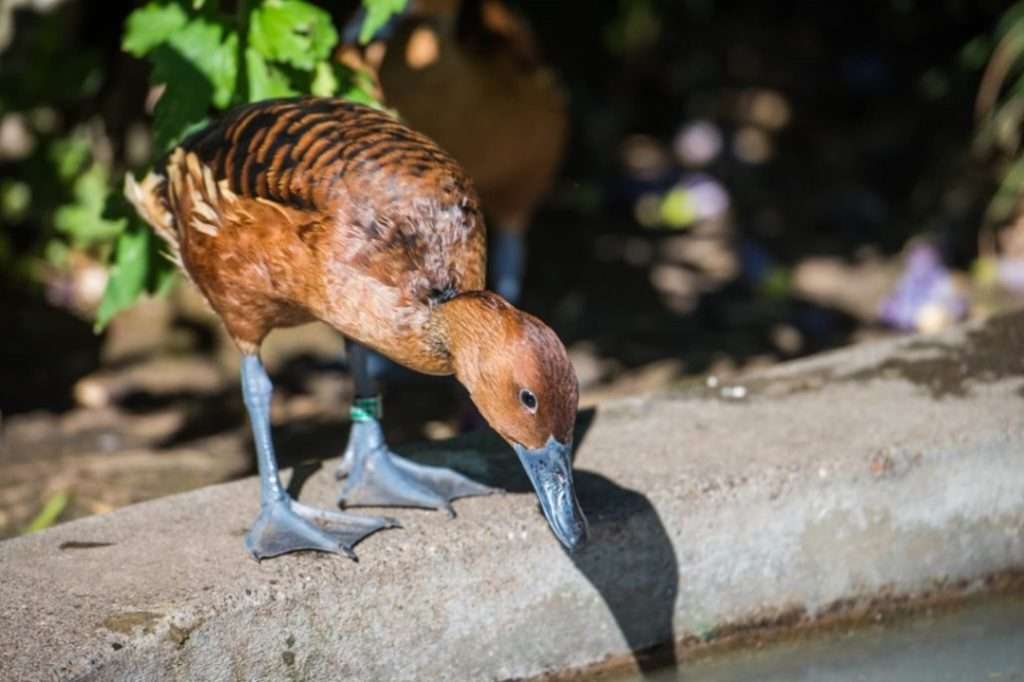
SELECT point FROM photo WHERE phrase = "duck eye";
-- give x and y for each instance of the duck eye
(528, 399)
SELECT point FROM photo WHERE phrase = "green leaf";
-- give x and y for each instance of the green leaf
(265, 80)
(325, 82)
(293, 32)
(69, 155)
(185, 101)
(199, 66)
(356, 86)
(128, 275)
(359, 95)
(213, 51)
(150, 26)
(138, 265)
(15, 199)
(377, 14)
(56, 253)
(49, 514)
(174, 116)
(83, 220)
(163, 277)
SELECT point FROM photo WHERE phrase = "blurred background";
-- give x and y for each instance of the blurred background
(705, 187)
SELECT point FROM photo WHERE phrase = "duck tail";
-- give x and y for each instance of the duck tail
(149, 199)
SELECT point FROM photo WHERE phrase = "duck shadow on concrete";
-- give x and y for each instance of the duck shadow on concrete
(629, 560)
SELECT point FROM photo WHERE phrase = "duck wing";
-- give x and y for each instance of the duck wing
(350, 181)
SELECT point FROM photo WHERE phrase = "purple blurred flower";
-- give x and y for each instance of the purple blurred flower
(709, 197)
(697, 143)
(1010, 272)
(926, 296)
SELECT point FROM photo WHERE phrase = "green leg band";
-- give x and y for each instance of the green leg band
(365, 409)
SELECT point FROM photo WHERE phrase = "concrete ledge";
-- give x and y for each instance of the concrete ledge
(882, 470)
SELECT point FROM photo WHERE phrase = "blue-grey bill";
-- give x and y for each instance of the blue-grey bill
(550, 471)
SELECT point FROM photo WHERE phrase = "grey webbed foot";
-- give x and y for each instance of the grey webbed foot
(284, 525)
(287, 526)
(379, 477)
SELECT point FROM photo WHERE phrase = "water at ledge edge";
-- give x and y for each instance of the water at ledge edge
(982, 641)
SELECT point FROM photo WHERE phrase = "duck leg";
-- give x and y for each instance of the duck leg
(285, 525)
(509, 261)
(379, 477)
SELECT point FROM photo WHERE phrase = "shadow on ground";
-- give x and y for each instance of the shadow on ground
(629, 559)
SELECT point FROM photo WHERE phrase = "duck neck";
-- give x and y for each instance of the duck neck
(469, 325)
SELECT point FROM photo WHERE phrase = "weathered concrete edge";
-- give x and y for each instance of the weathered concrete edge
(462, 601)
(888, 554)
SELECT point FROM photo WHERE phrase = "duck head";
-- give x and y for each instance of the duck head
(520, 378)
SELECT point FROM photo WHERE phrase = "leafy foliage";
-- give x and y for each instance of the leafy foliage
(377, 14)
(136, 269)
(205, 59)
(49, 514)
(150, 26)
(83, 220)
(1000, 109)
(292, 32)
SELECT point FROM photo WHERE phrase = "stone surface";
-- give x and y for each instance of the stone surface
(886, 469)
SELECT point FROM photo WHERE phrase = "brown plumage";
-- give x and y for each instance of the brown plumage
(288, 211)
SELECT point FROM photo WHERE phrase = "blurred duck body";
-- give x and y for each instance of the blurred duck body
(288, 211)
(468, 74)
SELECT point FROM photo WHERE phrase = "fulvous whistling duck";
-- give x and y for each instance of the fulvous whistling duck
(288, 211)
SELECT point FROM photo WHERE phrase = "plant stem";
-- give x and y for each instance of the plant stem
(242, 19)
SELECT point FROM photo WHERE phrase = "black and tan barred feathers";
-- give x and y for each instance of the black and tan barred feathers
(322, 156)
(294, 151)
